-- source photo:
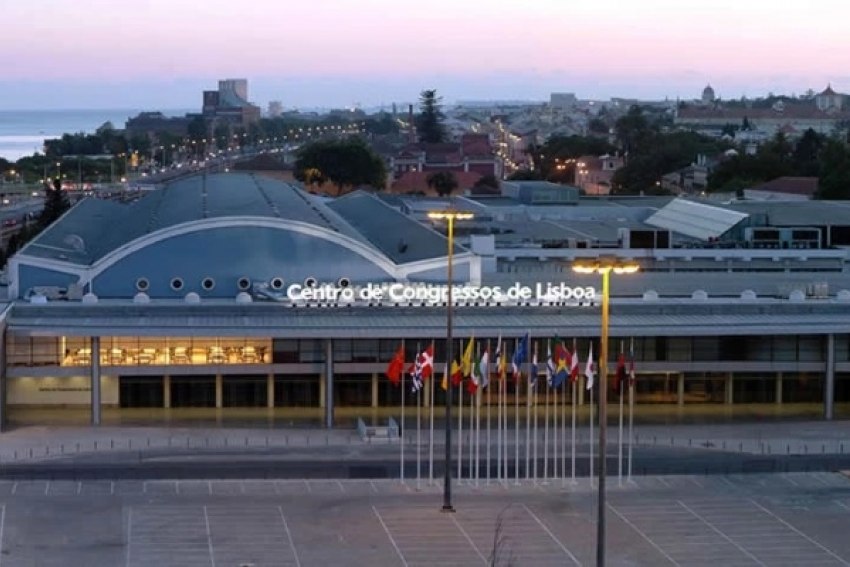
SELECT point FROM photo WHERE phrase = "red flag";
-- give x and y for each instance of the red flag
(457, 374)
(426, 362)
(396, 366)
(620, 375)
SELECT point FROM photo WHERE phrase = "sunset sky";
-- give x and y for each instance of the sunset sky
(162, 53)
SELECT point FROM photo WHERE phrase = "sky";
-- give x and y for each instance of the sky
(341, 53)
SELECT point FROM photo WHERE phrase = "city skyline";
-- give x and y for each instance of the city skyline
(333, 54)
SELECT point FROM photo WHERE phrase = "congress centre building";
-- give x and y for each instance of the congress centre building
(234, 295)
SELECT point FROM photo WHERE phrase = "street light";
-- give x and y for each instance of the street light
(604, 267)
(450, 216)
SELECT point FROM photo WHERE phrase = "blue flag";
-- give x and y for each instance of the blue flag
(520, 355)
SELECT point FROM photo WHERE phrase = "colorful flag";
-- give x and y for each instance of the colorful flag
(573, 365)
(466, 360)
(519, 357)
(484, 367)
(588, 369)
(620, 375)
(396, 366)
(457, 374)
(562, 356)
(421, 369)
(501, 362)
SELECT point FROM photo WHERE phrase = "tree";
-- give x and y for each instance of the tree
(443, 182)
(834, 181)
(429, 123)
(347, 163)
(197, 128)
(55, 203)
(597, 126)
(634, 133)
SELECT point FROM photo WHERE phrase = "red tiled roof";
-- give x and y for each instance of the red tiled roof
(791, 185)
(414, 181)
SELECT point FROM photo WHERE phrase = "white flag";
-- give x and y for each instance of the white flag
(588, 369)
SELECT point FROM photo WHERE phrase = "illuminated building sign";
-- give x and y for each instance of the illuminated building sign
(435, 294)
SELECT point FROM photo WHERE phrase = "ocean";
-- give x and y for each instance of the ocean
(22, 132)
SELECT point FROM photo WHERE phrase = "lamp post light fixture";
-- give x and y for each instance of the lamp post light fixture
(604, 267)
(450, 216)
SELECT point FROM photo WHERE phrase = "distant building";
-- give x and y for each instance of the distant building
(784, 189)
(594, 174)
(708, 95)
(275, 109)
(473, 154)
(562, 101)
(229, 104)
(825, 115)
(151, 124)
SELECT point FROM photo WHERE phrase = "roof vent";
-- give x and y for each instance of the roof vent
(141, 298)
(650, 295)
(402, 246)
(748, 295)
(76, 242)
(699, 295)
(192, 297)
(797, 296)
(89, 298)
(843, 295)
(243, 297)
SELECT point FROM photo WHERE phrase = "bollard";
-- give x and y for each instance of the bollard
(741, 447)
(787, 449)
(805, 449)
(690, 442)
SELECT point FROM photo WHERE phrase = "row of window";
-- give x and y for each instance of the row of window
(128, 351)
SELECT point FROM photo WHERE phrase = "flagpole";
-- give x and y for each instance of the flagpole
(536, 443)
(528, 419)
(479, 393)
(431, 433)
(620, 439)
(555, 433)
(418, 422)
(471, 429)
(459, 416)
(546, 421)
(591, 437)
(631, 404)
(401, 436)
(516, 421)
(403, 430)
(488, 412)
(505, 424)
(498, 414)
(573, 448)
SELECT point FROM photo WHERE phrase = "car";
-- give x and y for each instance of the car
(10, 222)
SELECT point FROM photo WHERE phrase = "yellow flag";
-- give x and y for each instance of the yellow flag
(466, 361)
(445, 383)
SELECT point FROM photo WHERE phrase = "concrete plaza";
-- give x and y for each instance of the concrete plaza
(779, 519)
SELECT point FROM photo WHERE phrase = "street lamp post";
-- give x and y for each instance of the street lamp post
(449, 215)
(603, 267)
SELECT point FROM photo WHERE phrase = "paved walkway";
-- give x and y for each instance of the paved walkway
(776, 438)
(737, 520)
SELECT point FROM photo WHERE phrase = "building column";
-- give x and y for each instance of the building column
(730, 389)
(329, 383)
(829, 379)
(680, 389)
(3, 380)
(95, 380)
(778, 388)
(166, 391)
(270, 391)
(374, 390)
(219, 391)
